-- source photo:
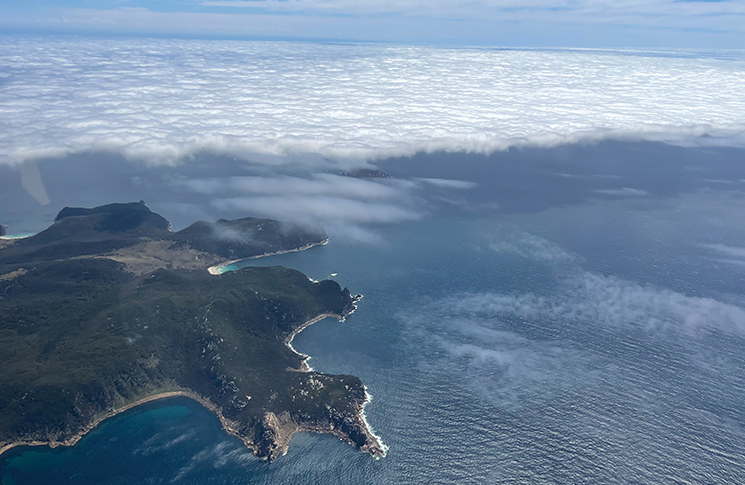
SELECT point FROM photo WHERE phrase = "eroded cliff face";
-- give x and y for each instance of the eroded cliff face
(82, 337)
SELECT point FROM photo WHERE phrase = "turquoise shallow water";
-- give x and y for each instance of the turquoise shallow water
(595, 340)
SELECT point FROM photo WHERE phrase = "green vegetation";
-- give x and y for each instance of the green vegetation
(102, 230)
(79, 337)
(245, 238)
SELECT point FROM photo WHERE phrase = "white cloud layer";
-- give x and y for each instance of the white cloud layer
(162, 100)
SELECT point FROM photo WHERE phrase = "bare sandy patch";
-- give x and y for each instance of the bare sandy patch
(150, 255)
(13, 274)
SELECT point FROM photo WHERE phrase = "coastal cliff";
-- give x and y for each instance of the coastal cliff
(86, 331)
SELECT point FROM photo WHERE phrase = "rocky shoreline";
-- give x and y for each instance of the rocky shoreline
(343, 427)
(277, 430)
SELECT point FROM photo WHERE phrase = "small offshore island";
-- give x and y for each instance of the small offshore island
(107, 309)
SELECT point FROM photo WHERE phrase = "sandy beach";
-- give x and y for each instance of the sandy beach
(219, 269)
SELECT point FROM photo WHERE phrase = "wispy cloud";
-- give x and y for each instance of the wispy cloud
(161, 101)
(614, 303)
(311, 209)
(527, 245)
(447, 183)
(317, 184)
(488, 340)
(601, 300)
(733, 251)
(499, 364)
(622, 192)
(730, 255)
(346, 207)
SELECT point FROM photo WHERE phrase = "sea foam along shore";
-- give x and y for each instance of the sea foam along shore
(221, 268)
(13, 237)
(369, 428)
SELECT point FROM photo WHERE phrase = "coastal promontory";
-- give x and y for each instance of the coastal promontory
(108, 308)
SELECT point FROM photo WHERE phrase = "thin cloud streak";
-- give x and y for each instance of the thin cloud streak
(311, 209)
(318, 184)
(623, 192)
(447, 183)
(562, 9)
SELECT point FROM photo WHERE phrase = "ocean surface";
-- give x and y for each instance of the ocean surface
(567, 315)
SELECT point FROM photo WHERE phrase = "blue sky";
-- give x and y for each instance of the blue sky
(534, 23)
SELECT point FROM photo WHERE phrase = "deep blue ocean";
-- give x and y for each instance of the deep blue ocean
(576, 317)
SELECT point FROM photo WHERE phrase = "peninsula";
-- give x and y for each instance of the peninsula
(107, 308)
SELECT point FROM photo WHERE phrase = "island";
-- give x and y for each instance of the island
(108, 308)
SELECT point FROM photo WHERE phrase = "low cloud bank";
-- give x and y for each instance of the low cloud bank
(348, 208)
(160, 101)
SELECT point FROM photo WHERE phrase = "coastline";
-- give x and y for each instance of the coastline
(265, 429)
(219, 269)
(375, 448)
(114, 412)
(368, 427)
(288, 341)
(15, 237)
(341, 317)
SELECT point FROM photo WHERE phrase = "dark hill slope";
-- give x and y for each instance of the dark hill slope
(110, 228)
(246, 238)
